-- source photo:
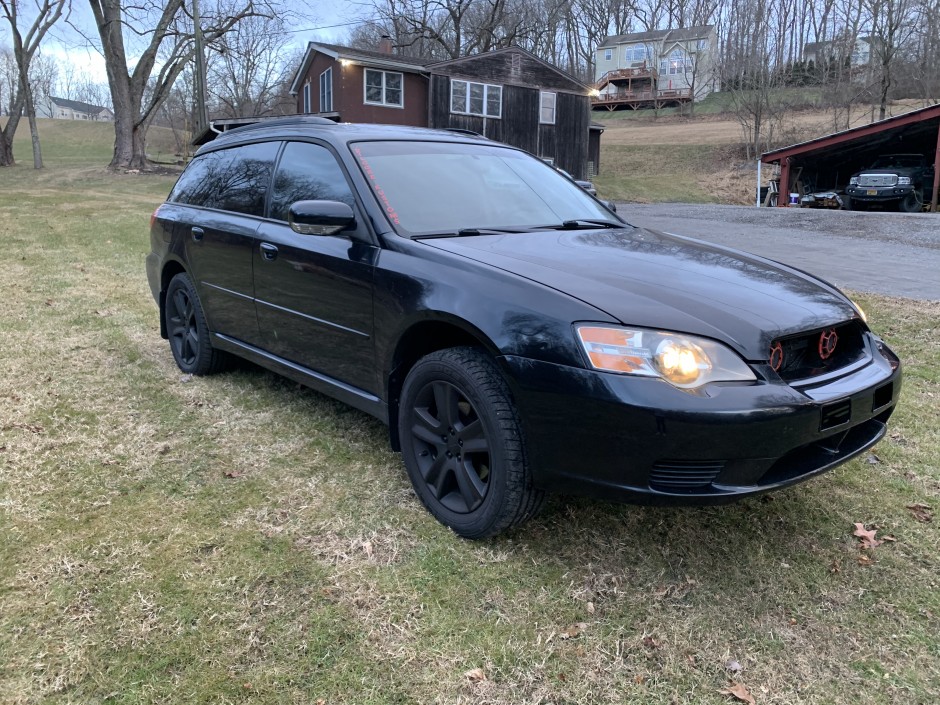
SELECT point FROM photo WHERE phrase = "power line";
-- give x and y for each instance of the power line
(331, 26)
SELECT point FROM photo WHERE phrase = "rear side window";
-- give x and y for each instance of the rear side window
(234, 179)
(308, 172)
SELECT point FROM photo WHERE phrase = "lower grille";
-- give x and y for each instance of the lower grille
(835, 414)
(684, 475)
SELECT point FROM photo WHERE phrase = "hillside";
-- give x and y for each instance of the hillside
(648, 158)
(79, 143)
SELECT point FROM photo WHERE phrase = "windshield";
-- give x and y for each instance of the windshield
(448, 187)
(898, 160)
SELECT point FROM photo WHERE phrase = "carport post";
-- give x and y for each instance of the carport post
(936, 176)
(758, 182)
(783, 198)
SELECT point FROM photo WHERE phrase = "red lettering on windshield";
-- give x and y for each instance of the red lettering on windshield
(379, 191)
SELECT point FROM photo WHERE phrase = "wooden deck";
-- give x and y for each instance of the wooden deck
(641, 99)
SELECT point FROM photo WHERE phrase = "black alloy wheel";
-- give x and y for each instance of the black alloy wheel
(462, 444)
(187, 330)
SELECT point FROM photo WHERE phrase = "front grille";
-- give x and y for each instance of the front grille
(801, 358)
(684, 474)
(878, 180)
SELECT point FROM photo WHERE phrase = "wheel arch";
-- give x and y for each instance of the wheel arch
(422, 338)
(170, 270)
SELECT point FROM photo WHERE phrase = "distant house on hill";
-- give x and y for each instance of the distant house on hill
(859, 51)
(508, 95)
(62, 109)
(656, 68)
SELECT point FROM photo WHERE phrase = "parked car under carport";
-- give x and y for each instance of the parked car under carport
(828, 163)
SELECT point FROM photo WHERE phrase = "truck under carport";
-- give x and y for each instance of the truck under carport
(827, 162)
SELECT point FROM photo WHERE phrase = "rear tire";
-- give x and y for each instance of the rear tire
(187, 330)
(462, 444)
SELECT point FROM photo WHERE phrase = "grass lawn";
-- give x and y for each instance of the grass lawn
(165, 539)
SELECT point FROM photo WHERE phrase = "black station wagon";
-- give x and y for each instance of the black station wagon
(514, 333)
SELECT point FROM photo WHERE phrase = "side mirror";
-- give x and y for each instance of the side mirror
(320, 217)
(611, 205)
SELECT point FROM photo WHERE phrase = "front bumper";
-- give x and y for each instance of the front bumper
(877, 194)
(642, 440)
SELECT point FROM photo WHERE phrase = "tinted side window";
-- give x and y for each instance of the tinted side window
(233, 179)
(307, 172)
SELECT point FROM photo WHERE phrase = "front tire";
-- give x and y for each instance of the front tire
(462, 444)
(910, 204)
(187, 330)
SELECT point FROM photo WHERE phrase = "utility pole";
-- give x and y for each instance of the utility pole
(202, 114)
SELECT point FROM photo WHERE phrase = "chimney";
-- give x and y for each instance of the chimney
(385, 44)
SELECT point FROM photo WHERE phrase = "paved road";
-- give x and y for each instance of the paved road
(897, 254)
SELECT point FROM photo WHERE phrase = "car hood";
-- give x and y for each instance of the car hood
(900, 170)
(656, 280)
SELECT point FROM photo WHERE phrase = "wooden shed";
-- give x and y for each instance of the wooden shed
(508, 95)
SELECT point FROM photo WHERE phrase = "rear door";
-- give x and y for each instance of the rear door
(226, 191)
(314, 293)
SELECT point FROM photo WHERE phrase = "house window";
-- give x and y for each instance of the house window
(384, 88)
(547, 113)
(635, 54)
(307, 106)
(702, 44)
(476, 99)
(678, 63)
(326, 91)
(608, 54)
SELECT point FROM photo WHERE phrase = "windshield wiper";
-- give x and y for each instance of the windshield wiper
(469, 232)
(581, 223)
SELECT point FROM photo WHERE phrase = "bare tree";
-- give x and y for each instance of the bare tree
(47, 13)
(166, 34)
(248, 66)
(892, 25)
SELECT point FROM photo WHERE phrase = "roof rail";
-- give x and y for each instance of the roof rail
(462, 131)
(282, 121)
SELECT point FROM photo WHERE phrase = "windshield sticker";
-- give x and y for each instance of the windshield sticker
(379, 191)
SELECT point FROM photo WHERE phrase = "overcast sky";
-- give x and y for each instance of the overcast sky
(328, 21)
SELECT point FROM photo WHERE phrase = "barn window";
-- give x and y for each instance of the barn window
(326, 91)
(470, 98)
(307, 106)
(384, 88)
(547, 108)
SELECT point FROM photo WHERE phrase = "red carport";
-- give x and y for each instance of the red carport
(826, 163)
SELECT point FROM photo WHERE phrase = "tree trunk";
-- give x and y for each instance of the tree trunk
(6, 135)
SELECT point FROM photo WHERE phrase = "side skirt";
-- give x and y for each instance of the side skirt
(353, 396)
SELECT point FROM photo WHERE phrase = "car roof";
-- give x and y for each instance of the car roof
(336, 133)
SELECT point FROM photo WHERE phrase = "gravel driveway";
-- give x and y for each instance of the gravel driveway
(897, 254)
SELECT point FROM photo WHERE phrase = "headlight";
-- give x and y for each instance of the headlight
(904, 181)
(683, 360)
(853, 181)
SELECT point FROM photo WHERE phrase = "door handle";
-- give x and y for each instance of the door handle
(268, 252)
(198, 233)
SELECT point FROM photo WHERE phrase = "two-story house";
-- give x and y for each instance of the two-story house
(63, 109)
(655, 69)
(508, 95)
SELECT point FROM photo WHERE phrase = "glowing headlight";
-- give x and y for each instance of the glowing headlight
(685, 361)
(904, 181)
(853, 181)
